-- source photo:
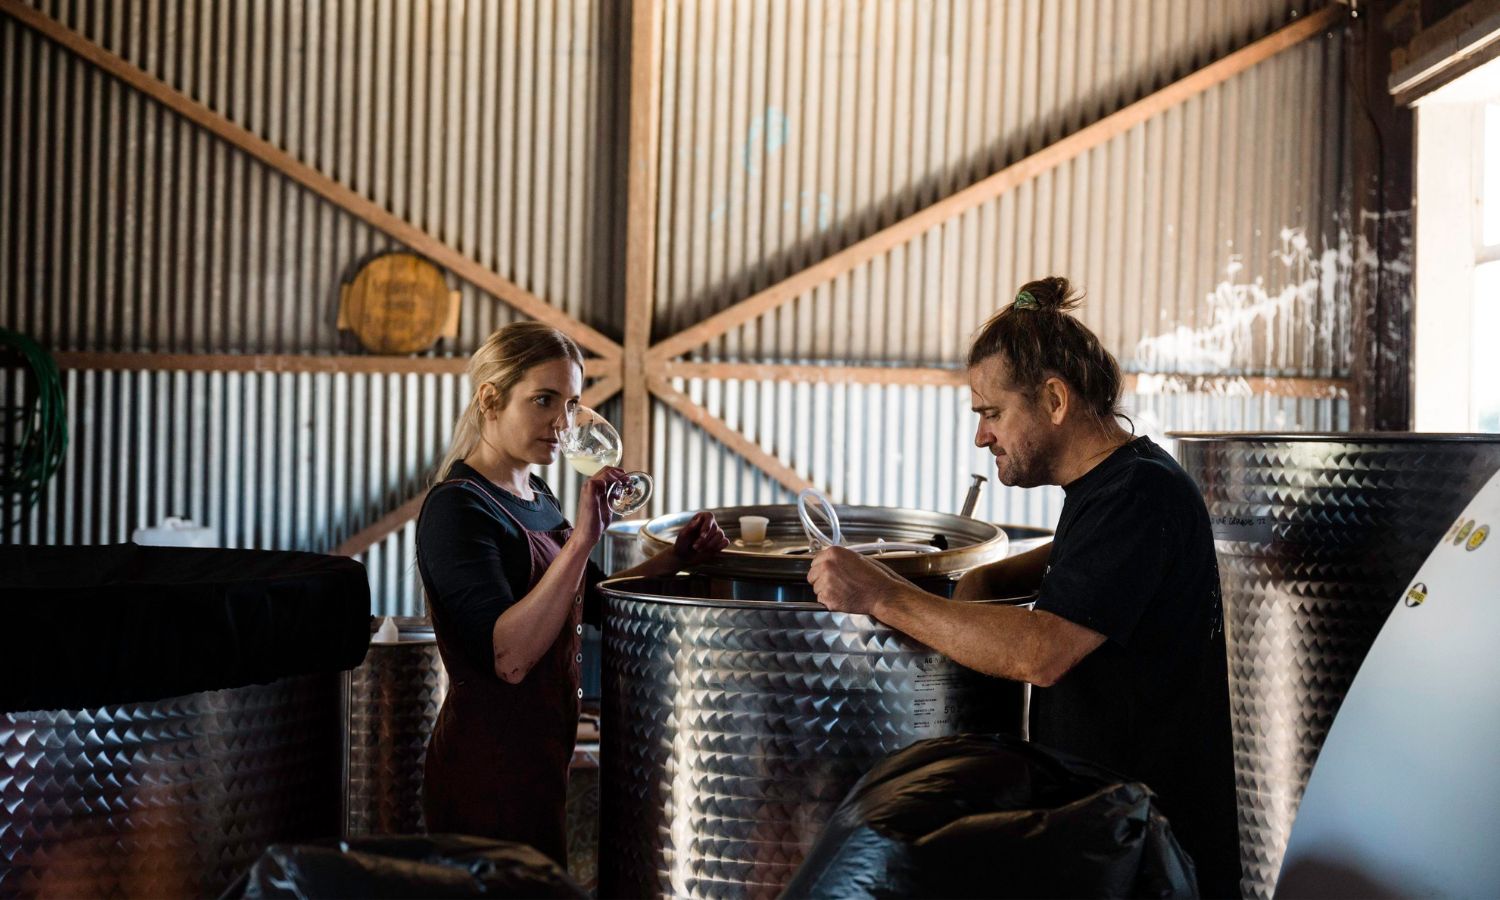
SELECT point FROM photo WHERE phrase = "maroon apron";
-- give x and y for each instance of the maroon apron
(497, 763)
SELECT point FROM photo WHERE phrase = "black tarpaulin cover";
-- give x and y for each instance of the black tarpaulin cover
(90, 626)
(988, 816)
(381, 867)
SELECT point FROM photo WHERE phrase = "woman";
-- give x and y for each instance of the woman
(507, 579)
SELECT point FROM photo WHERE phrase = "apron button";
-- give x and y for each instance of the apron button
(580, 693)
(579, 629)
(578, 658)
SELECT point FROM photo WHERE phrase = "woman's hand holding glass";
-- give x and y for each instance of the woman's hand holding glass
(594, 510)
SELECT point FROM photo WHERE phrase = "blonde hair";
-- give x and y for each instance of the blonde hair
(502, 361)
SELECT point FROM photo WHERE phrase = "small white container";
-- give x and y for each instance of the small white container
(175, 532)
(753, 529)
(387, 633)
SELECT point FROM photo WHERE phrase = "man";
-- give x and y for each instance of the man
(1125, 645)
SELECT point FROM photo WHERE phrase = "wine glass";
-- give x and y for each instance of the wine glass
(589, 444)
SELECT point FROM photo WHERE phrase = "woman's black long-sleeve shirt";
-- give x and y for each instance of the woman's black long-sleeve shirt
(475, 563)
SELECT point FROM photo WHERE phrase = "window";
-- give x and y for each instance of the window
(1457, 315)
(1484, 384)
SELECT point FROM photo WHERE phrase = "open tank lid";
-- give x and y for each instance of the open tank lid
(969, 542)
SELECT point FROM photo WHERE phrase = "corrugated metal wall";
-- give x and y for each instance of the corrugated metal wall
(127, 228)
(124, 227)
(792, 130)
(1210, 239)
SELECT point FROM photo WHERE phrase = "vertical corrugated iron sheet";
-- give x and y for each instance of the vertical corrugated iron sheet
(910, 446)
(124, 227)
(1209, 239)
(486, 124)
(269, 460)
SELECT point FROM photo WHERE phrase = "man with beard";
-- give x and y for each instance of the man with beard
(1125, 644)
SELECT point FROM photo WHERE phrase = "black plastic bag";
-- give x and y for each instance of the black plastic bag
(418, 866)
(994, 816)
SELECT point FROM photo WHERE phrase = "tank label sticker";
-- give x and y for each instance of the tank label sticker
(1453, 529)
(935, 695)
(1416, 594)
(1463, 533)
(1477, 537)
(1241, 528)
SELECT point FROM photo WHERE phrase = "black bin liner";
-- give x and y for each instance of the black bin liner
(98, 625)
(994, 816)
(417, 866)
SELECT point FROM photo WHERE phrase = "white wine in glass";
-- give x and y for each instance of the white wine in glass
(589, 444)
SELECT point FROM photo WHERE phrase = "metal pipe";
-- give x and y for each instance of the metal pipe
(972, 500)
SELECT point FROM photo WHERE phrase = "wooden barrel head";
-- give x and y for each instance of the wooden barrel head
(399, 303)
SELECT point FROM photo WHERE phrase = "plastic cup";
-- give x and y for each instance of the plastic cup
(753, 529)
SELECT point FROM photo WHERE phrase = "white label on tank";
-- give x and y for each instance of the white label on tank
(1247, 529)
(933, 706)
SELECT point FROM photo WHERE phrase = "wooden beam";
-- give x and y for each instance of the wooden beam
(593, 367)
(640, 225)
(310, 178)
(988, 189)
(383, 528)
(728, 436)
(814, 374)
(1145, 383)
(600, 391)
(1460, 42)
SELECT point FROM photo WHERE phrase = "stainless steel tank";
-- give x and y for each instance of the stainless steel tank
(1025, 537)
(165, 798)
(1317, 535)
(622, 547)
(738, 712)
(390, 705)
(965, 542)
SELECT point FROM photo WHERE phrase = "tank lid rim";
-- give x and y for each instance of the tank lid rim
(1372, 437)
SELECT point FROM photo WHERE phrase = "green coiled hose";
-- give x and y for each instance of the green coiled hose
(36, 432)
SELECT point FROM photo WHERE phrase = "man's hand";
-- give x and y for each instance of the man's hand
(847, 582)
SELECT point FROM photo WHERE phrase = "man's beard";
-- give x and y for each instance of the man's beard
(1024, 469)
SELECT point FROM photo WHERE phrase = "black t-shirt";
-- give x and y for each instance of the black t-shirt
(1133, 559)
(475, 562)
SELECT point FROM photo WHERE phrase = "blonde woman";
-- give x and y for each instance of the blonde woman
(508, 581)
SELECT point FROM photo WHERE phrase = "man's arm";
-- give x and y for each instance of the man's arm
(996, 639)
(1015, 576)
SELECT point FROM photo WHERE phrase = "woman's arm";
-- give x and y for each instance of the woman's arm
(698, 540)
(523, 633)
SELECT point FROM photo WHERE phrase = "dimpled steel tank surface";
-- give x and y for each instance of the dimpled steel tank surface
(165, 798)
(390, 705)
(1317, 535)
(733, 728)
